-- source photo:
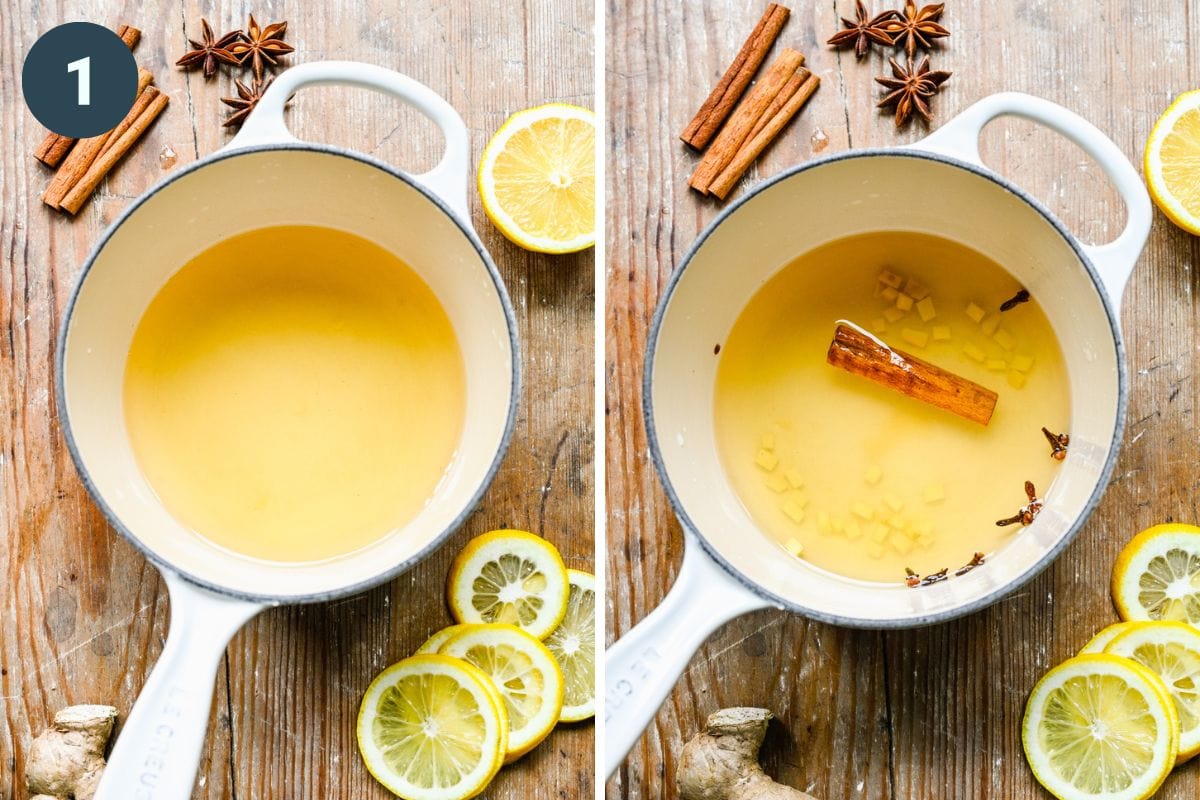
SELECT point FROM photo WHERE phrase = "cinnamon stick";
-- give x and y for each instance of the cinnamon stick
(155, 102)
(54, 147)
(728, 90)
(743, 120)
(85, 151)
(765, 132)
(860, 353)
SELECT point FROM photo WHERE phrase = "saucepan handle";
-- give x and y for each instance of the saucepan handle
(158, 751)
(448, 180)
(642, 667)
(960, 138)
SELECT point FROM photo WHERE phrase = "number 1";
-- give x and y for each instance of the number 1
(84, 67)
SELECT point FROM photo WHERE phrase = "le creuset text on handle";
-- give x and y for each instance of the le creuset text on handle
(448, 180)
(157, 754)
(642, 667)
(1114, 261)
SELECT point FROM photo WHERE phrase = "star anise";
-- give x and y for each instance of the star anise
(211, 50)
(917, 27)
(864, 31)
(262, 45)
(911, 89)
(1025, 513)
(247, 99)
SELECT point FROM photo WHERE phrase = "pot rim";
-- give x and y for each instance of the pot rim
(464, 226)
(990, 597)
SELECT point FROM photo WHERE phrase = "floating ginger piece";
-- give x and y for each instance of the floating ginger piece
(975, 312)
(941, 333)
(926, 310)
(904, 302)
(874, 474)
(767, 460)
(891, 279)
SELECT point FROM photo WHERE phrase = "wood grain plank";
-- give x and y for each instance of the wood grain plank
(82, 615)
(932, 713)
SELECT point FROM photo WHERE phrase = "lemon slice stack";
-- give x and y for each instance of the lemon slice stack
(1112, 722)
(485, 691)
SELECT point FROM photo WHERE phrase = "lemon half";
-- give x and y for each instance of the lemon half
(537, 178)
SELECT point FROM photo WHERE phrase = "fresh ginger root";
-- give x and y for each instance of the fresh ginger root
(66, 761)
(722, 762)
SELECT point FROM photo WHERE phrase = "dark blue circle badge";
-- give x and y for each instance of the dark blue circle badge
(79, 79)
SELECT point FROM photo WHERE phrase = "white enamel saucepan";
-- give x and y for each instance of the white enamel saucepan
(423, 219)
(937, 186)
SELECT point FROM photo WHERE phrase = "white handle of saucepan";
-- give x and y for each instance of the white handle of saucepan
(642, 667)
(1114, 261)
(158, 751)
(448, 180)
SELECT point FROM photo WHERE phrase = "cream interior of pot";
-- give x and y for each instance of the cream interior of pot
(278, 187)
(830, 201)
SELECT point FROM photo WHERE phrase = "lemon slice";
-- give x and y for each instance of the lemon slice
(512, 578)
(573, 644)
(1172, 162)
(428, 729)
(526, 674)
(1105, 635)
(537, 178)
(1157, 575)
(434, 642)
(1171, 650)
(1100, 726)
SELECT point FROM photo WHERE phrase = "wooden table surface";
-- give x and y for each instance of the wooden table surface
(931, 713)
(82, 614)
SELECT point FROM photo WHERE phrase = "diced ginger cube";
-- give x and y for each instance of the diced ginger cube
(889, 294)
(996, 364)
(941, 333)
(862, 511)
(878, 533)
(916, 290)
(794, 512)
(1016, 379)
(1004, 339)
(767, 460)
(837, 524)
(879, 325)
(893, 314)
(823, 522)
(875, 551)
(915, 337)
(776, 483)
(904, 302)
(989, 325)
(901, 544)
(874, 474)
(793, 478)
(853, 531)
(1022, 362)
(974, 352)
(889, 278)
(920, 528)
(975, 312)
(934, 493)
(800, 500)
(925, 541)
(794, 547)
(893, 501)
(926, 310)
(768, 441)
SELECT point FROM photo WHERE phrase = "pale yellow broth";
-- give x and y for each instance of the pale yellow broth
(294, 393)
(857, 479)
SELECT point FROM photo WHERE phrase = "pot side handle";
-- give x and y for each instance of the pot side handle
(448, 180)
(1115, 261)
(642, 667)
(157, 753)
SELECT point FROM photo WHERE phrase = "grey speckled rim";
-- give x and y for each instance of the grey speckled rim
(467, 230)
(991, 597)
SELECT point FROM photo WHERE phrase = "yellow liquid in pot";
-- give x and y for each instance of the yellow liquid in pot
(852, 476)
(294, 393)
